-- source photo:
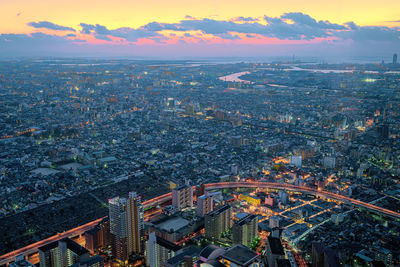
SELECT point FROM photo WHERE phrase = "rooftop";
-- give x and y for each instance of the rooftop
(275, 245)
(174, 224)
(240, 255)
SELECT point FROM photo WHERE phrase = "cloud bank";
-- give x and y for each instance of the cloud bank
(50, 26)
(291, 32)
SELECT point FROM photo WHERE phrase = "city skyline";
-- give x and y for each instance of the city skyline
(190, 133)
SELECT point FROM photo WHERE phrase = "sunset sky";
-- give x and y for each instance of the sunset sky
(208, 28)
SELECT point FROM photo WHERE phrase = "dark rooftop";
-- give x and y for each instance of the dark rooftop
(240, 255)
(246, 219)
(71, 245)
(167, 244)
(275, 245)
(218, 211)
(283, 263)
(191, 251)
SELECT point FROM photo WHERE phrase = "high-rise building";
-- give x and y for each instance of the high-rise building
(273, 251)
(62, 253)
(126, 226)
(394, 59)
(245, 230)
(218, 221)
(160, 250)
(135, 223)
(99, 236)
(118, 225)
(182, 196)
(204, 204)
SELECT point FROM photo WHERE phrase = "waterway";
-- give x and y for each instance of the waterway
(235, 77)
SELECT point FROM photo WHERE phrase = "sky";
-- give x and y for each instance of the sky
(177, 29)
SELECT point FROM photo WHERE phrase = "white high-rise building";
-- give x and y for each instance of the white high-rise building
(118, 225)
(160, 250)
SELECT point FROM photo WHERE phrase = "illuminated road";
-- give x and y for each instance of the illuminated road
(32, 248)
(304, 189)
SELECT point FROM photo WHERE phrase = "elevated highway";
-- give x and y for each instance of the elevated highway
(32, 248)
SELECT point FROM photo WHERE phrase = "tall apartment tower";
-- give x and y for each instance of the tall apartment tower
(118, 227)
(245, 230)
(182, 196)
(135, 223)
(274, 251)
(204, 204)
(160, 250)
(218, 221)
(62, 253)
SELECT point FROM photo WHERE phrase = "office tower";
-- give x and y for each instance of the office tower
(160, 250)
(135, 223)
(204, 204)
(273, 251)
(218, 221)
(182, 196)
(245, 230)
(394, 59)
(118, 225)
(62, 253)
